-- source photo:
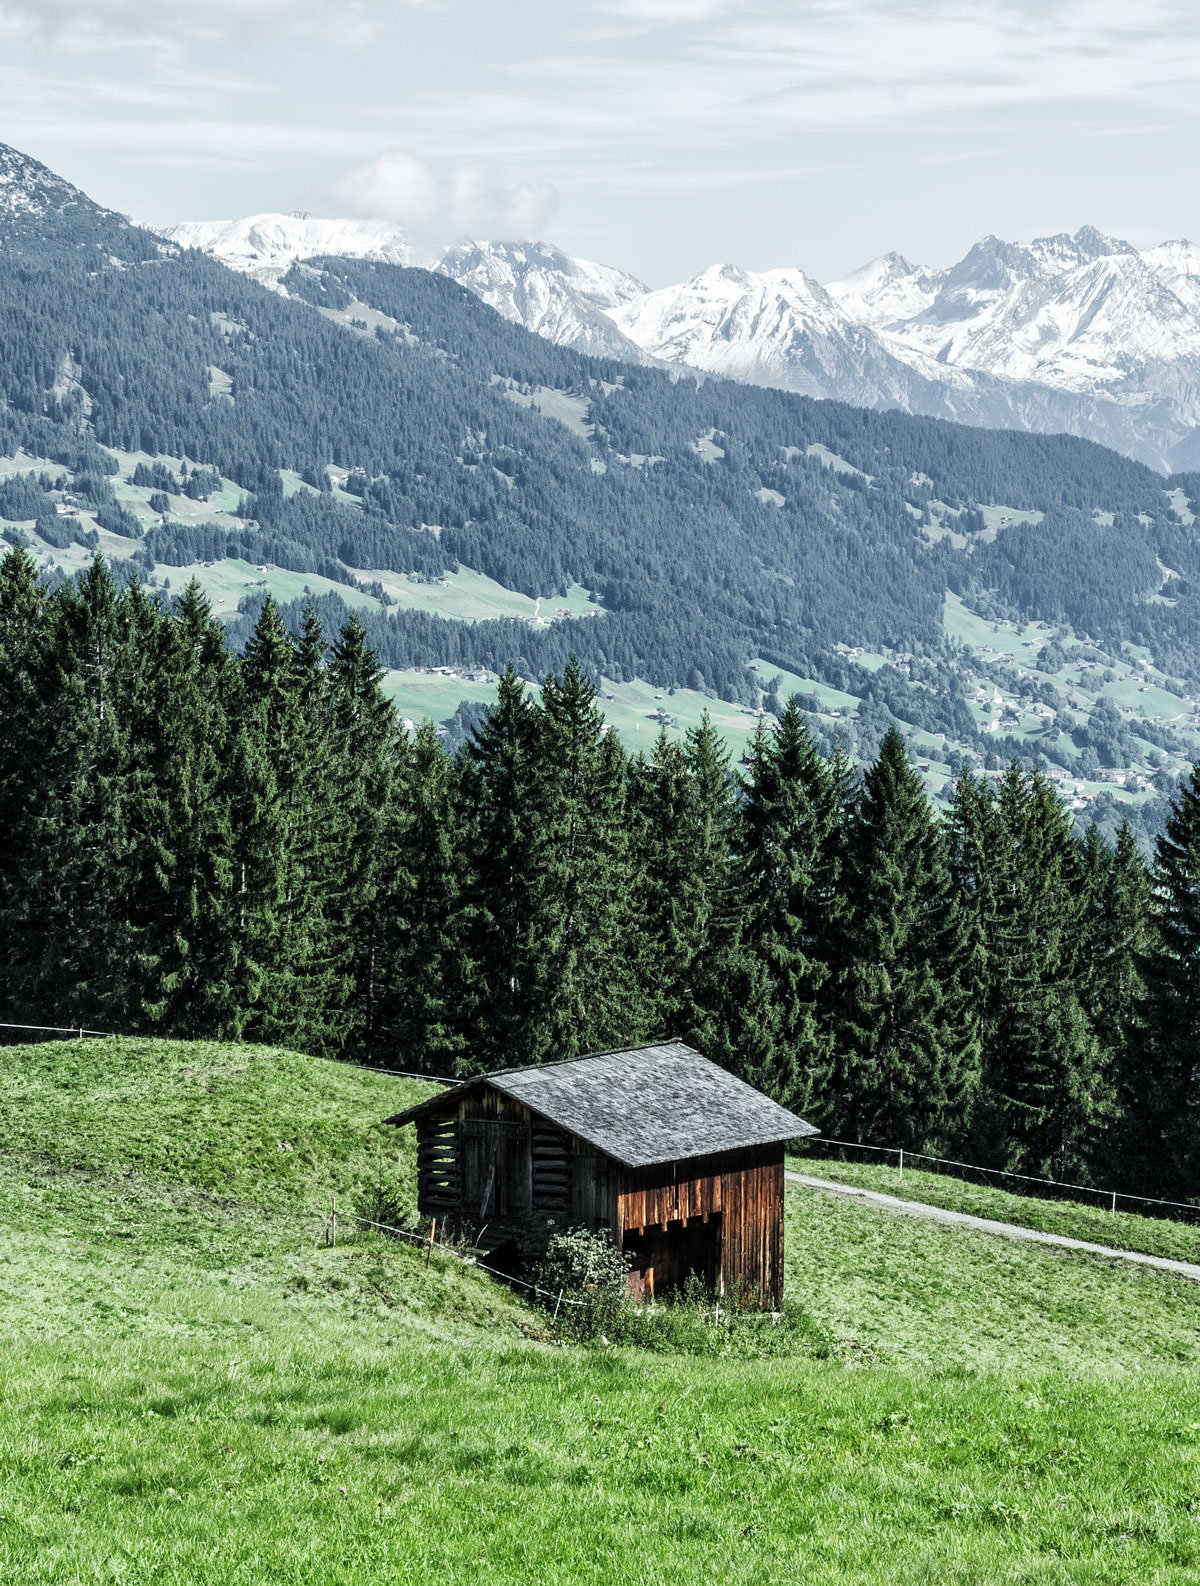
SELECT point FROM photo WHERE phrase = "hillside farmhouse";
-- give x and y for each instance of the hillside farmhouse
(678, 1159)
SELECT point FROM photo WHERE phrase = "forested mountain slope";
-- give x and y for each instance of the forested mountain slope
(175, 413)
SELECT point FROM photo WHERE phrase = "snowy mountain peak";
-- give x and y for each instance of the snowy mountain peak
(33, 197)
(886, 290)
(266, 246)
(539, 286)
(599, 284)
(1066, 252)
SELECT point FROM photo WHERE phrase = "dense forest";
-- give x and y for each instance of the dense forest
(714, 522)
(197, 842)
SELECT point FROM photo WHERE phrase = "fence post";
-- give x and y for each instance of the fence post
(1112, 1211)
(901, 1161)
(333, 1219)
(557, 1303)
(429, 1252)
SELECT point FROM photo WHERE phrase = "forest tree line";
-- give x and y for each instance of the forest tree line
(200, 843)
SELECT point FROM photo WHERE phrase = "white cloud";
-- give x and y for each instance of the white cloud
(161, 18)
(468, 201)
(671, 10)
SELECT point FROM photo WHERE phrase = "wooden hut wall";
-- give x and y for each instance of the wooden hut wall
(752, 1229)
(453, 1147)
(745, 1188)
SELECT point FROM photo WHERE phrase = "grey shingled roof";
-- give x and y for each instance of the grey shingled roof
(644, 1105)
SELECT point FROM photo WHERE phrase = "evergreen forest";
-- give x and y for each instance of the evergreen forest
(712, 522)
(198, 842)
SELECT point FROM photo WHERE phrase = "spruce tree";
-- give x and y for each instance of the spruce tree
(25, 730)
(79, 864)
(288, 984)
(908, 1038)
(1168, 1101)
(1049, 1096)
(499, 882)
(180, 825)
(684, 803)
(549, 893)
(366, 753)
(789, 836)
(422, 979)
(588, 994)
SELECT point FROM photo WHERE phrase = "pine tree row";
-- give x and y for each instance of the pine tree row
(196, 843)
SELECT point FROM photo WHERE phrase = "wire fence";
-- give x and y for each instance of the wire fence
(1024, 1183)
(431, 1243)
(78, 1032)
(75, 1032)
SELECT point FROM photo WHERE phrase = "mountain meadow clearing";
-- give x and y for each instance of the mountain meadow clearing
(195, 1388)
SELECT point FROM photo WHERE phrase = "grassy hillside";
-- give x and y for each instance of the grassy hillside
(1077, 1219)
(197, 1390)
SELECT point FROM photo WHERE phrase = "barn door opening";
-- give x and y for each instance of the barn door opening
(662, 1259)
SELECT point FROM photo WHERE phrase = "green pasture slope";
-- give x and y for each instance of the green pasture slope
(193, 1389)
(1081, 1218)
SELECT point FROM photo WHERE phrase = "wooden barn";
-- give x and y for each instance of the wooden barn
(679, 1159)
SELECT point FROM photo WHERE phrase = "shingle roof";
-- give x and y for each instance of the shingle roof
(643, 1105)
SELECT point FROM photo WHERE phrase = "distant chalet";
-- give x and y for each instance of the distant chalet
(679, 1159)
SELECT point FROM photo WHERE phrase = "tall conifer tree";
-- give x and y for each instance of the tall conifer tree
(1168, 1112)
(908, 1037)
(788, 845)
(26, 726)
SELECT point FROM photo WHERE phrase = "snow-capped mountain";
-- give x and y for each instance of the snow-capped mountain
(1080, 333)
(1080, 313)
(773, 327)
(266, 246)
(1085, 316)
(35, 201)
(886, 290)
(568, 301)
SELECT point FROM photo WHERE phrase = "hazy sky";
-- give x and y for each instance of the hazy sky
(660, 135)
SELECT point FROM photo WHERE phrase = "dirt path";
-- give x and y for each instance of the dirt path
(893, 1203)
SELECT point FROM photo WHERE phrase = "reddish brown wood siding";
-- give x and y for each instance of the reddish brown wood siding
(744, 1189)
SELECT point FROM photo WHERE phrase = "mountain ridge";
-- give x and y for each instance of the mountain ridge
(1074, 332)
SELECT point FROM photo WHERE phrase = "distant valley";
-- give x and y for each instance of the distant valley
(358, 433)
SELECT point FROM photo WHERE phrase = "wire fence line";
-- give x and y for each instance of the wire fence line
(428, 1242)
(903, 1154)
(79, 1032)
(76, 1030)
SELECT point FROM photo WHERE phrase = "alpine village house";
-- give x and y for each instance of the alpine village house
(681, 1161)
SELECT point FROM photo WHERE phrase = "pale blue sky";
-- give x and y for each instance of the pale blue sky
(659, 135)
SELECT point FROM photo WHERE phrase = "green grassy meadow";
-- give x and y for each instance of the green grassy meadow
(195, 1388)
(1080, 1218)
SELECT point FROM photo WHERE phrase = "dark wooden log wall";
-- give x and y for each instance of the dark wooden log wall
(439, 1182)
(444, 1144)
